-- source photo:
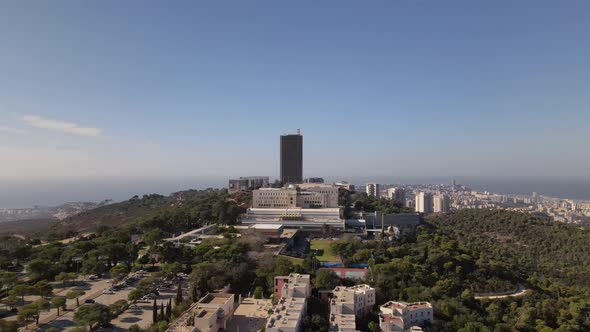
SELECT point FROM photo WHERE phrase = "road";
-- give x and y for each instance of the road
(520, 291)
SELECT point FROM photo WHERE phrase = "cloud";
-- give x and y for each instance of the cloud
(13, 131)
(66, 127)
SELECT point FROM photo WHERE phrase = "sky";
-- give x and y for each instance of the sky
(205, 88)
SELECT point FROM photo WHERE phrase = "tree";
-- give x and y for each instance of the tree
(258, 292)
(169, 309)
(118, 272)
(10, 301)
(134, 328)
(155, 312)
(7, 279)
(326, 279)
(194, 294)
(42, 288)
(20, 290)
(374, 326)
(8, 326)
(39, 269)
(92, 314)
(65, 276)
(135, 295)
(179, 298)
(162, 313)
(58, 302)
(26, 313)
(75, 294)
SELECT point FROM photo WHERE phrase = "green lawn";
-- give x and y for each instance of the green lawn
(294, 260)
(323, 250)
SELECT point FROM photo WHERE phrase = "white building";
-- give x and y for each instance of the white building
(397, 195)
(305, 195)
(441, 203)
(293, 285)
(401, 316)
(210, 314)
(347, 303)
(373, 189)
(424, 202)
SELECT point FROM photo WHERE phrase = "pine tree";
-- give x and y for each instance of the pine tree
(178, 295)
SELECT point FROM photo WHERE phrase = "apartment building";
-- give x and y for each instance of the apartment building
(347, 304)
(293, 285)
(288, 315)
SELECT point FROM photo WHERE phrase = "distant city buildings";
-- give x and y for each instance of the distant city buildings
(292, 158)
(401, 316)
(314, 180)
(247, 183)
(424, 203)
(373, 189)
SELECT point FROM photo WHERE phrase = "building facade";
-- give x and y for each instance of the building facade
(347, 304)
(292, 158)
(292, 292)
(373, 189)
(247, 183)
(401, 316)
(441, 203)
(397, 195)
(424, 202)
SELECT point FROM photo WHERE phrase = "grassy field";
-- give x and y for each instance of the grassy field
(324, 252)
(294, 260)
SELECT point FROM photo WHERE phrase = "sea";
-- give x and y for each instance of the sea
(53, 191)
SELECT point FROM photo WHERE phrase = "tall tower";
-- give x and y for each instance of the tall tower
(292, 158)
(424, 202)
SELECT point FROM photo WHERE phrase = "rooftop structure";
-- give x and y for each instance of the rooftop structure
(288, 315)
(210, 314)
(308, 219)
(251, 315)
(293, 285)
(247, 183)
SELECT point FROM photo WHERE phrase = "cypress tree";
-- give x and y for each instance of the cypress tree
(178, 295)
(162, 316)
(155, 312)
(195, 295)
(169, 309)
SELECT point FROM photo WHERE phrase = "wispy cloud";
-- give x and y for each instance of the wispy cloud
(66, 127)
(13, 131)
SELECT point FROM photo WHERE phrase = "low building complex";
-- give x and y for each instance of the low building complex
(401, 316)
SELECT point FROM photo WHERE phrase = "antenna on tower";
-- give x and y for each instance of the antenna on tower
(298, 131)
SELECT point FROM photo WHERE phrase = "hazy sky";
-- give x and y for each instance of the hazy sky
(205, 88)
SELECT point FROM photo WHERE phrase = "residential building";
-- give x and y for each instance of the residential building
(293, 285)
(441, 203)
(401, 316)
(397, 195)
(373, 189)
(347, 303)
(424, 202)
(292, 158)
(247, 183)
(288, 315)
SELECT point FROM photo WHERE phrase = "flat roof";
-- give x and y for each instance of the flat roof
(267, 226)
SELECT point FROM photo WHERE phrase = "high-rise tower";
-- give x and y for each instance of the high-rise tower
(292, 158)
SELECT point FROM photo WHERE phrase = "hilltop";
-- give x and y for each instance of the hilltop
(186, 209)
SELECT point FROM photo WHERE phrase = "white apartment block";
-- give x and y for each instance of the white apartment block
(401, 316)
(424, 202)
(441, 203)
(348, 303)
(293, 285)
(398, 195)
(373, 189)
(210, 314)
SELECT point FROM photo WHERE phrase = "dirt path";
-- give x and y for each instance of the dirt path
(520, 291)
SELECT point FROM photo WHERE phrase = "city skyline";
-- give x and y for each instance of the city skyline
(404, 89)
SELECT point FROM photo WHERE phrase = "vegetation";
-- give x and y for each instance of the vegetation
(323, 250)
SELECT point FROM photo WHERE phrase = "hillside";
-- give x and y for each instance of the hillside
(185, 209)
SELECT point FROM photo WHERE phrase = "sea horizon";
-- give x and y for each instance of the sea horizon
(53, 191)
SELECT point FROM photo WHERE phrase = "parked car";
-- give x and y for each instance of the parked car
(89, 301)
(108, 291)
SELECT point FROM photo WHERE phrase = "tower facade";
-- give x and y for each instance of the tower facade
(292, 158)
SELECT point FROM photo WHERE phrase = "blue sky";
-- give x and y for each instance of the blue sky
(403, 88)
